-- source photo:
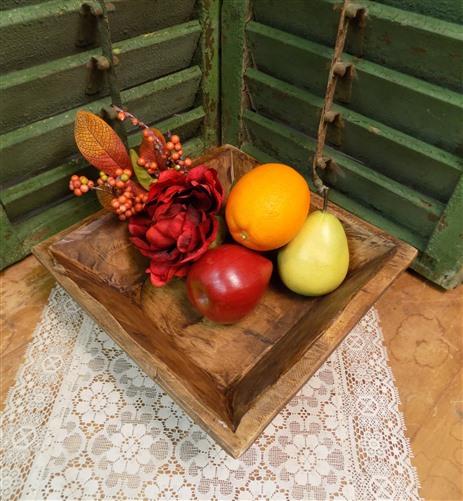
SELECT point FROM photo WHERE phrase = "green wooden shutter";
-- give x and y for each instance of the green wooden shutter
(399, 138)
(167, 72)
(399, 135)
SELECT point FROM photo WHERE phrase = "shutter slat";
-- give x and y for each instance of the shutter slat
(37, 33)
(51, 220)
(60, 85)
(52, 139)
(410, 105)
(34, 34)
(401, 204)
(13, 4)
(404, 158)
(449, 10)
(406, 41)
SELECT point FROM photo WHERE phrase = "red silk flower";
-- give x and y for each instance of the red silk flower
(178, 223)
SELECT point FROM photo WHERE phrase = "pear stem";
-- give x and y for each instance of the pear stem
(325, 199)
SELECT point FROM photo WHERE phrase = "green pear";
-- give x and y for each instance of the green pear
(316, 261)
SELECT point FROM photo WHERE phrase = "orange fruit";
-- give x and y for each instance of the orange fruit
(267, 207)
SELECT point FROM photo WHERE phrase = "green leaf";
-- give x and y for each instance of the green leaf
(142, 176)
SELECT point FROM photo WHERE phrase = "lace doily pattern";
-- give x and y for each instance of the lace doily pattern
(84, 422)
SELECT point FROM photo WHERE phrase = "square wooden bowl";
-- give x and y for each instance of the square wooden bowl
(232, 380)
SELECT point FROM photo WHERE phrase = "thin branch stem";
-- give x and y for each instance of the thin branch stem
(318, 161)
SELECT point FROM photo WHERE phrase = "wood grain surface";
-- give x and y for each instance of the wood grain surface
(270, 354)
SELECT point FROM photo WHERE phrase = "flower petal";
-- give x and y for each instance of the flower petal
(157, 239)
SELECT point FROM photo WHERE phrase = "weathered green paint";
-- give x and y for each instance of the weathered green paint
(209, 16)
(235, 15)
(395, 201)
(50, 29)
(364, 212)
(22, 236)
(13, 4)
(185, 124)
(48, 89)
(47, 222)
(401, 157)
(450, 10)
(442, 261)
(394, 128)
(39, 205)
(11, 248)
(41, 190)
(52, 139)
(415, 44)
(433, 114)
(37, 33)
(195, 147)
(403, 136)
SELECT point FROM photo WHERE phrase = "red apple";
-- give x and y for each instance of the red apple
(227, 282)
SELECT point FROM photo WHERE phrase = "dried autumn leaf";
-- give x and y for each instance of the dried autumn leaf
(99, 143)
(105, 198)
(154, 151)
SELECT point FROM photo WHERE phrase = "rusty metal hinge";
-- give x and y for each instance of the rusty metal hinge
(88, 33)
(96, 69)
(346, 75)
(335, 129)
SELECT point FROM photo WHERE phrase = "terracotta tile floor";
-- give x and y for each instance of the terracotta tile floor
(422, 327)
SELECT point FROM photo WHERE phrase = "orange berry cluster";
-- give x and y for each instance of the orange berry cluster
(118, 181)
(175, 152)
(127, 204)
(80, 185)
(171, 153)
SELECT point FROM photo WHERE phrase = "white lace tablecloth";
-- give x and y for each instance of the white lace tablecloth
(84, 422)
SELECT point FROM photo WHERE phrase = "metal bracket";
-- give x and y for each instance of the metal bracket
(357, 16)
(90, 14)
(96, 68)
(340, 68)
(109, 114)
(346, 77)
(356, 13)
(335, 127)
(323, 162)
(331, 116)
(330, 170)
(95, 9)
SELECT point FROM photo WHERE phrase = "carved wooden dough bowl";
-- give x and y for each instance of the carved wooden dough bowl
(232, 380)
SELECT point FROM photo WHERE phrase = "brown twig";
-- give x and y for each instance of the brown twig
(107, 50)
(318, 160)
